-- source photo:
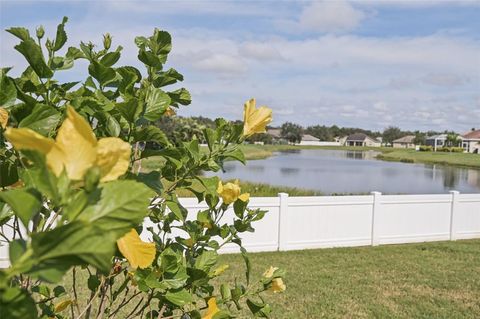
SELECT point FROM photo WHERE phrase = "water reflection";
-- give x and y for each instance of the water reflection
(332, 171)
(286, 171)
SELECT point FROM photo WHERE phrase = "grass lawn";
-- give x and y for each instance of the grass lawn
(428, 280)
(412, 156)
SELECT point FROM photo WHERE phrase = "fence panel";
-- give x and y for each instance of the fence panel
(414, 218)
(334, 221)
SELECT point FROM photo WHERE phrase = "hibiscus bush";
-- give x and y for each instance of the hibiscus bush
(74, 200)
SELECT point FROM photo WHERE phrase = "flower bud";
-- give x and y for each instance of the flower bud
(107, 41)
(40, 32)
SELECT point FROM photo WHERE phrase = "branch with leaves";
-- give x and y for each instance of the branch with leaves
(73, 198)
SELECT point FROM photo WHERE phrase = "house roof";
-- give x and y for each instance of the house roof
(275, 132)
(438, 137)
(406, 139)
(310, 138)
(358, 137)
(472, 135)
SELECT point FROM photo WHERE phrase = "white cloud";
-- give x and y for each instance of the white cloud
(223, 64)
(445, 79)
(331, 16)
(260, 51)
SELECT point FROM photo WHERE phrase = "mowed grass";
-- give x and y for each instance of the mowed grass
(428, 280)
(445, 158)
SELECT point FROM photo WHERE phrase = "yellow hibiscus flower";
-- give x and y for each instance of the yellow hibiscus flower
(138, 253)
(212, 308)
(230, 192)
(277, 284)
(3, 118)
(255, 120)
(75, 149)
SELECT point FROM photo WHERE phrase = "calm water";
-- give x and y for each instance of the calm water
(332, 171)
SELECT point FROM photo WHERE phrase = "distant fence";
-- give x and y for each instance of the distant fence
(343, 221)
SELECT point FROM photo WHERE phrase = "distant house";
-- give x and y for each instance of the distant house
(275, 133)
(308, 139)
(340, 139)
(361, 139)
(471, 142)
(436, 141)
(405, 142)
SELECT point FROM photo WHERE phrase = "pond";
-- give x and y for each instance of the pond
(353, 172)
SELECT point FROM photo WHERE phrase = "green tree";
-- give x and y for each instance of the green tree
(292, 132)
(391, 133)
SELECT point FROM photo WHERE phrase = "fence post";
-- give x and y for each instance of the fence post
(283, 221)
(375, 213)
(453, 209)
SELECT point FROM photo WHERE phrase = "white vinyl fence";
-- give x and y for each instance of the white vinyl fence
(342, 221)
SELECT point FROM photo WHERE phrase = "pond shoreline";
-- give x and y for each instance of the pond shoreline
(463, 160)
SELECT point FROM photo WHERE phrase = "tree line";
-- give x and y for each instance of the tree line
(179, 129)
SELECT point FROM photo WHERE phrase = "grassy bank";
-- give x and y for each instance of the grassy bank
(443, 158)
(431, 280)
(259, 190)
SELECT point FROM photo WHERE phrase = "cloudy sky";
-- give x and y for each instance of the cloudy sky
(371, 64)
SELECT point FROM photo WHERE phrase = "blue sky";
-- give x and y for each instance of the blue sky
(413, 64)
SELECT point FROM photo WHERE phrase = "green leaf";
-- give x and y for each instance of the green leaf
(59, 291)
(8, 92)
(161, 44)
(8, 173)
(40, 177)
(180, 96)
(156, 103)
(113, 127)
(211, 137)
(43, 119)
(74, 53)
(206, 260)
(61, 37)
(177, 209)
(76, 243)
(239, 207)
(5, 213)
(130, 76)
(149, 58)
(152, 180)
(59, 63)
(43, 290)
(150, 134)
(19, 32)
(16, 249)
(130, 109)
(93, 282)
(101, 73)
(110, 58)
(123, 205)
(258, 308)
(17, 304)
(25, 203)
(179, 297)
(225, 291)
(248, 264)
(235, 154)
(33, 54)
(171, 76)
